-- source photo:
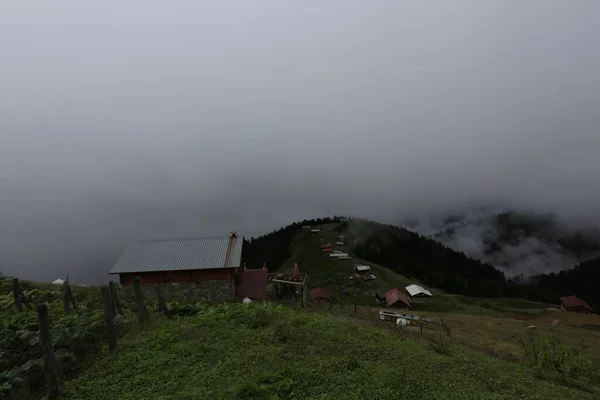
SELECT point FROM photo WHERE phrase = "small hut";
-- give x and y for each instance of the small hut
(396, 299)
(575, 304)
(253, 284)
(417, 293)
(321, 296)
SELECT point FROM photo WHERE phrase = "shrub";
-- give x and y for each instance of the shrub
(551, 353)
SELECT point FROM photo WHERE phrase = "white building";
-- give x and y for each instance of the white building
(418, 292)
(362, 269)
(338, 253)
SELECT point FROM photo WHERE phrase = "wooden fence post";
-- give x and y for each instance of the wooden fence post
(17, 294)
(446, 329)
(70, 296)
(66, 304)
(162, 305)
(115, 300)
(48, 352)
(421, 329)
(143, 313)
(108, 316)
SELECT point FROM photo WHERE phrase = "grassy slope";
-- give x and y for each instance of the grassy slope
(498, 336)
(334, 274)
(324, 271)
(257, 352)
(479, 323)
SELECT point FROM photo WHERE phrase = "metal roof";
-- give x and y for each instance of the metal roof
(394, 296)
(334, 254)
(180, 255)
(573, 301)
(414, 290)
(363, 268)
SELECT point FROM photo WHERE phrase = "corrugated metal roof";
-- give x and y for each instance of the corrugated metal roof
(413, 290)
(394, 295)
(573, 301)
(334, 254)
(180, 255)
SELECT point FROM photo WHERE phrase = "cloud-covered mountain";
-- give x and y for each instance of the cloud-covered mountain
(517, 242)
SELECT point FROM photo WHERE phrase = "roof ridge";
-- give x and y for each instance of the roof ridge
(181, 239)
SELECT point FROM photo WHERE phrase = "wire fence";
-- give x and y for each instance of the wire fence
(423, 327)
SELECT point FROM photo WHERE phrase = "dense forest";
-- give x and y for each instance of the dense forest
(416, 256)
(274, 248)
(582, 281)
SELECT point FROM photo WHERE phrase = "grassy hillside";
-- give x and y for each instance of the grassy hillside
(334, 274)
(498, 335)
(413, 257)
(325, 271)
(263, 351)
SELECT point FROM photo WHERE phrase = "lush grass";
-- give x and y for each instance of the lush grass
(499, 336)
(267, 352)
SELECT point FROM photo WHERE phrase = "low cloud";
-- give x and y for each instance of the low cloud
(154, 120)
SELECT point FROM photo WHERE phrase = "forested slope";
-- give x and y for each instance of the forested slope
(427, 260)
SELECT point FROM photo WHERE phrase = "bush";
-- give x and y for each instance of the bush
(184, 309)
(264, 386)
(76, 338)
(551, 353)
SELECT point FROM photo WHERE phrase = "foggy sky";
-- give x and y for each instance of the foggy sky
(137, 119)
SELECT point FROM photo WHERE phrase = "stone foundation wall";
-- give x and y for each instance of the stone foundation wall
(214, 291)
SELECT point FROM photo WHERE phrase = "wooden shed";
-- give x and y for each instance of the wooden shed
(575, 304)
(397, 299)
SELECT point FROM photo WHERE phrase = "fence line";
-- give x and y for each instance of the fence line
(371, 315)
(112, 308)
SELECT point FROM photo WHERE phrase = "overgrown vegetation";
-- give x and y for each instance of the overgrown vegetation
(77, 337)
(441, 344)
(550, 353)
(263, 351)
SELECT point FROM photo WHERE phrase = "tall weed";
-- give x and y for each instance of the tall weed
(551, 353)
